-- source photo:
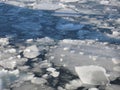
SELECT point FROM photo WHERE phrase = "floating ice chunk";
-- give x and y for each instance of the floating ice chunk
(73, 85)
(45, 65)
(81, 53)
(67, 41)
(55, 74)
(62, 55)
(7, 77)
(4, 41)
(66, 48)
(105, 2)
(31, 52)
(118, 20)
(116, 61)
(27, 77)
(82, 1)
(69, 0)
(93, 75)
(50, 69)
(65, 11)
(112, 87)
(39, 81)
(116, 33)
(69, 27)
(61, 59)
(94, 58)
(45, 41)
(21, 61)
(60, 88)
(16, 3)
(14, 72)
(12, 50)
(18, 56)
(53, 71)
(93, 89)
(52, 57)
(47, 6)
(10, 64)
(45, 76)
(29, 40)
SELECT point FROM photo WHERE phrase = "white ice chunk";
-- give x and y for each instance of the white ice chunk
(31, 52)
(47, 6)
(7, 77)
(93, 75)
(105, 2)
(93, 89)
(39, 81)
(55, 74)
(50, 69)
(73, 85)
(10, 64)
(12, 50)
(4, 41)
(69, 0)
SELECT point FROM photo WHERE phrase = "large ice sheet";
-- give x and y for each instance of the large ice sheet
(71, 53)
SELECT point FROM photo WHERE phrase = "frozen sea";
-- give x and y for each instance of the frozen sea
(59, 44)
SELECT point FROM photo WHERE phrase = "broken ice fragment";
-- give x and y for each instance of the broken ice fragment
(115, 61)
(9, 64)
(93, 75)
(38, 81)
(6, 77)
(4, 41)
(12, 50)
(55, 74)
(69, 0)
(31, 52)
(105, 2)
(73, 85)
(116, 33)
(26, 77)
(65, 48)
(50, 69)
(93, 89)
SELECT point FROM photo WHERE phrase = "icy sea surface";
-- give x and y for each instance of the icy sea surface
(59, 45)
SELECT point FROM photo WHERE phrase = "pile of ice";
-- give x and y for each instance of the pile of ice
(91, 59)
(15, 69)
(88, 59)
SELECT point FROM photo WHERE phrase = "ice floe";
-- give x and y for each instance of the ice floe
(31, 52)
(93, 75)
